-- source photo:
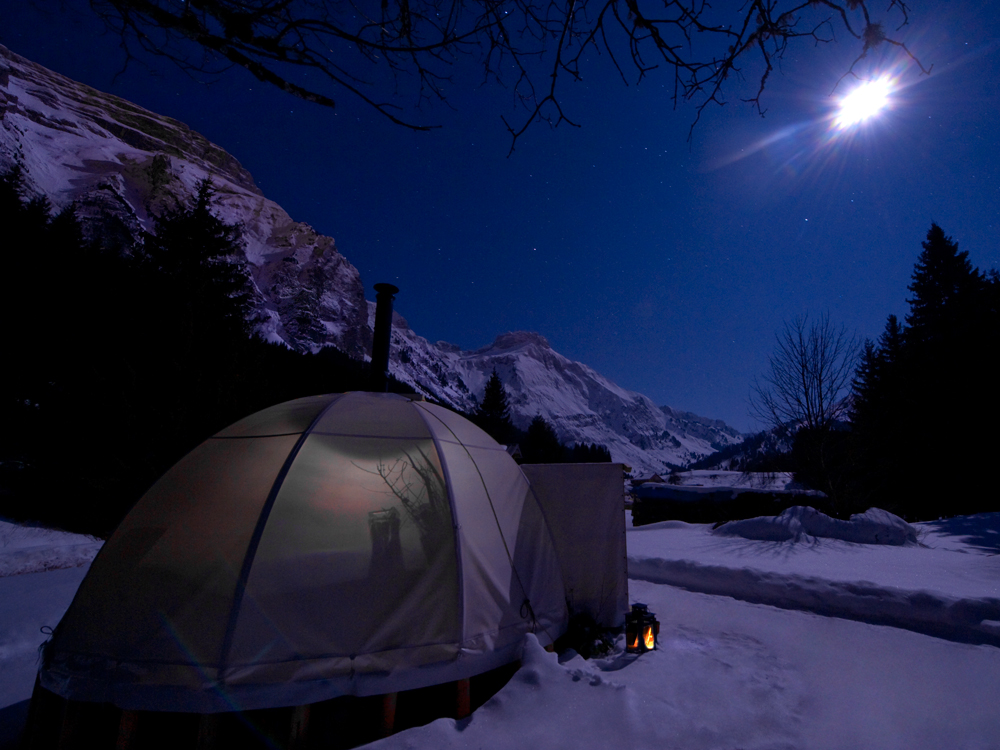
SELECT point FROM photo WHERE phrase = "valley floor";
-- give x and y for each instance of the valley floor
(731, 670)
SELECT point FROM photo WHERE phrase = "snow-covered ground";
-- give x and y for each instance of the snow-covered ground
(40, 570)
(748, 658)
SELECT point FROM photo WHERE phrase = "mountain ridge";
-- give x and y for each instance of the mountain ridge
(582, 405)
(121, 165)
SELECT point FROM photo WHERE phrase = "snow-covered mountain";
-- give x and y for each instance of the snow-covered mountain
(583, 405)
(121, 165)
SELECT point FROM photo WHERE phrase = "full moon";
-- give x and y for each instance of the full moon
(866, 101)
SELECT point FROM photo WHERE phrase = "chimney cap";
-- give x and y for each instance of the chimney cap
(390, 288)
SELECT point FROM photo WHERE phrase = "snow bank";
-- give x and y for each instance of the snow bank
(966, 620)
(31, 549)
(30, 605)
(951, 591)
(874, 526)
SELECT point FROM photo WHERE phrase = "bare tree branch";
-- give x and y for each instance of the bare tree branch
(809, 376)
(396, 55)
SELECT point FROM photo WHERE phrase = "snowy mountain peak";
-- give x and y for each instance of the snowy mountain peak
(582, 405)
(515, 340)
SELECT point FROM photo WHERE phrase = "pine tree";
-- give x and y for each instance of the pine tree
(541, 444)
(875, 369)
(890, 343)
(943, 283)
(493, 414)
(923, 394)
(589, 453)
(201, 258)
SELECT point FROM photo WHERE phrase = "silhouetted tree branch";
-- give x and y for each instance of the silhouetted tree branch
(810, 374)
(379, 50)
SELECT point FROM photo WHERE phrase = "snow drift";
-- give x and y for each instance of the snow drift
(874, 526)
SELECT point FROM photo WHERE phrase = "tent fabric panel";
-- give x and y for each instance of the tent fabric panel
(287, 418)
(357, 557)
(584, 506)
(486, 568)
(373, 414)
(159, 592)
(456, 428)
(498, 529)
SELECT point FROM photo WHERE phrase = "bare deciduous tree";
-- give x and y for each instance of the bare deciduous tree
(810, 374)
(379, 49)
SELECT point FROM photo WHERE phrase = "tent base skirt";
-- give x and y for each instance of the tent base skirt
(339, 723)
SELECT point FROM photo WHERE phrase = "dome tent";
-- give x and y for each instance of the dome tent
(347, 544)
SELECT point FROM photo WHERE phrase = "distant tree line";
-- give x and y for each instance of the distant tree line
(539, 444)
(919, 436)
(120, 358)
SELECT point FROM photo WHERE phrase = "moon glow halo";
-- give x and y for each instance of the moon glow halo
(865, 102)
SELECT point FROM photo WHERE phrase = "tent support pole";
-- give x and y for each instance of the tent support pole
(71, 718)
(299, 727)
(463, 701)
(388, 718)
(32, 731)
(128, 727)
(208, 731)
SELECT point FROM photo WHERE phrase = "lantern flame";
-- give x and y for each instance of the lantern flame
(647, 637)
(635, 643)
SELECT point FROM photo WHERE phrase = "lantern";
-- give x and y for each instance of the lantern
(641, 629)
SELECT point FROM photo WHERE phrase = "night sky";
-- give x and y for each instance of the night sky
(665, 265)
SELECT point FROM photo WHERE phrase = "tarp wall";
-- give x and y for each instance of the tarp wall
(584, 505)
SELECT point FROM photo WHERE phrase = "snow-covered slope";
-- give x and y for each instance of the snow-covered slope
(115, 159)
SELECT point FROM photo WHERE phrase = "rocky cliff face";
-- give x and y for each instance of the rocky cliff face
(122, 165)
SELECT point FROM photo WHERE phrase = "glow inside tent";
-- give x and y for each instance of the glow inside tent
(354, 543)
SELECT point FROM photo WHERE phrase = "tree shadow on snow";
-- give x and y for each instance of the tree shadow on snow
(981, 531)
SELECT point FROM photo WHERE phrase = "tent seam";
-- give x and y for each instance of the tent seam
(548, 529)
(454, 517)
(489, 499)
